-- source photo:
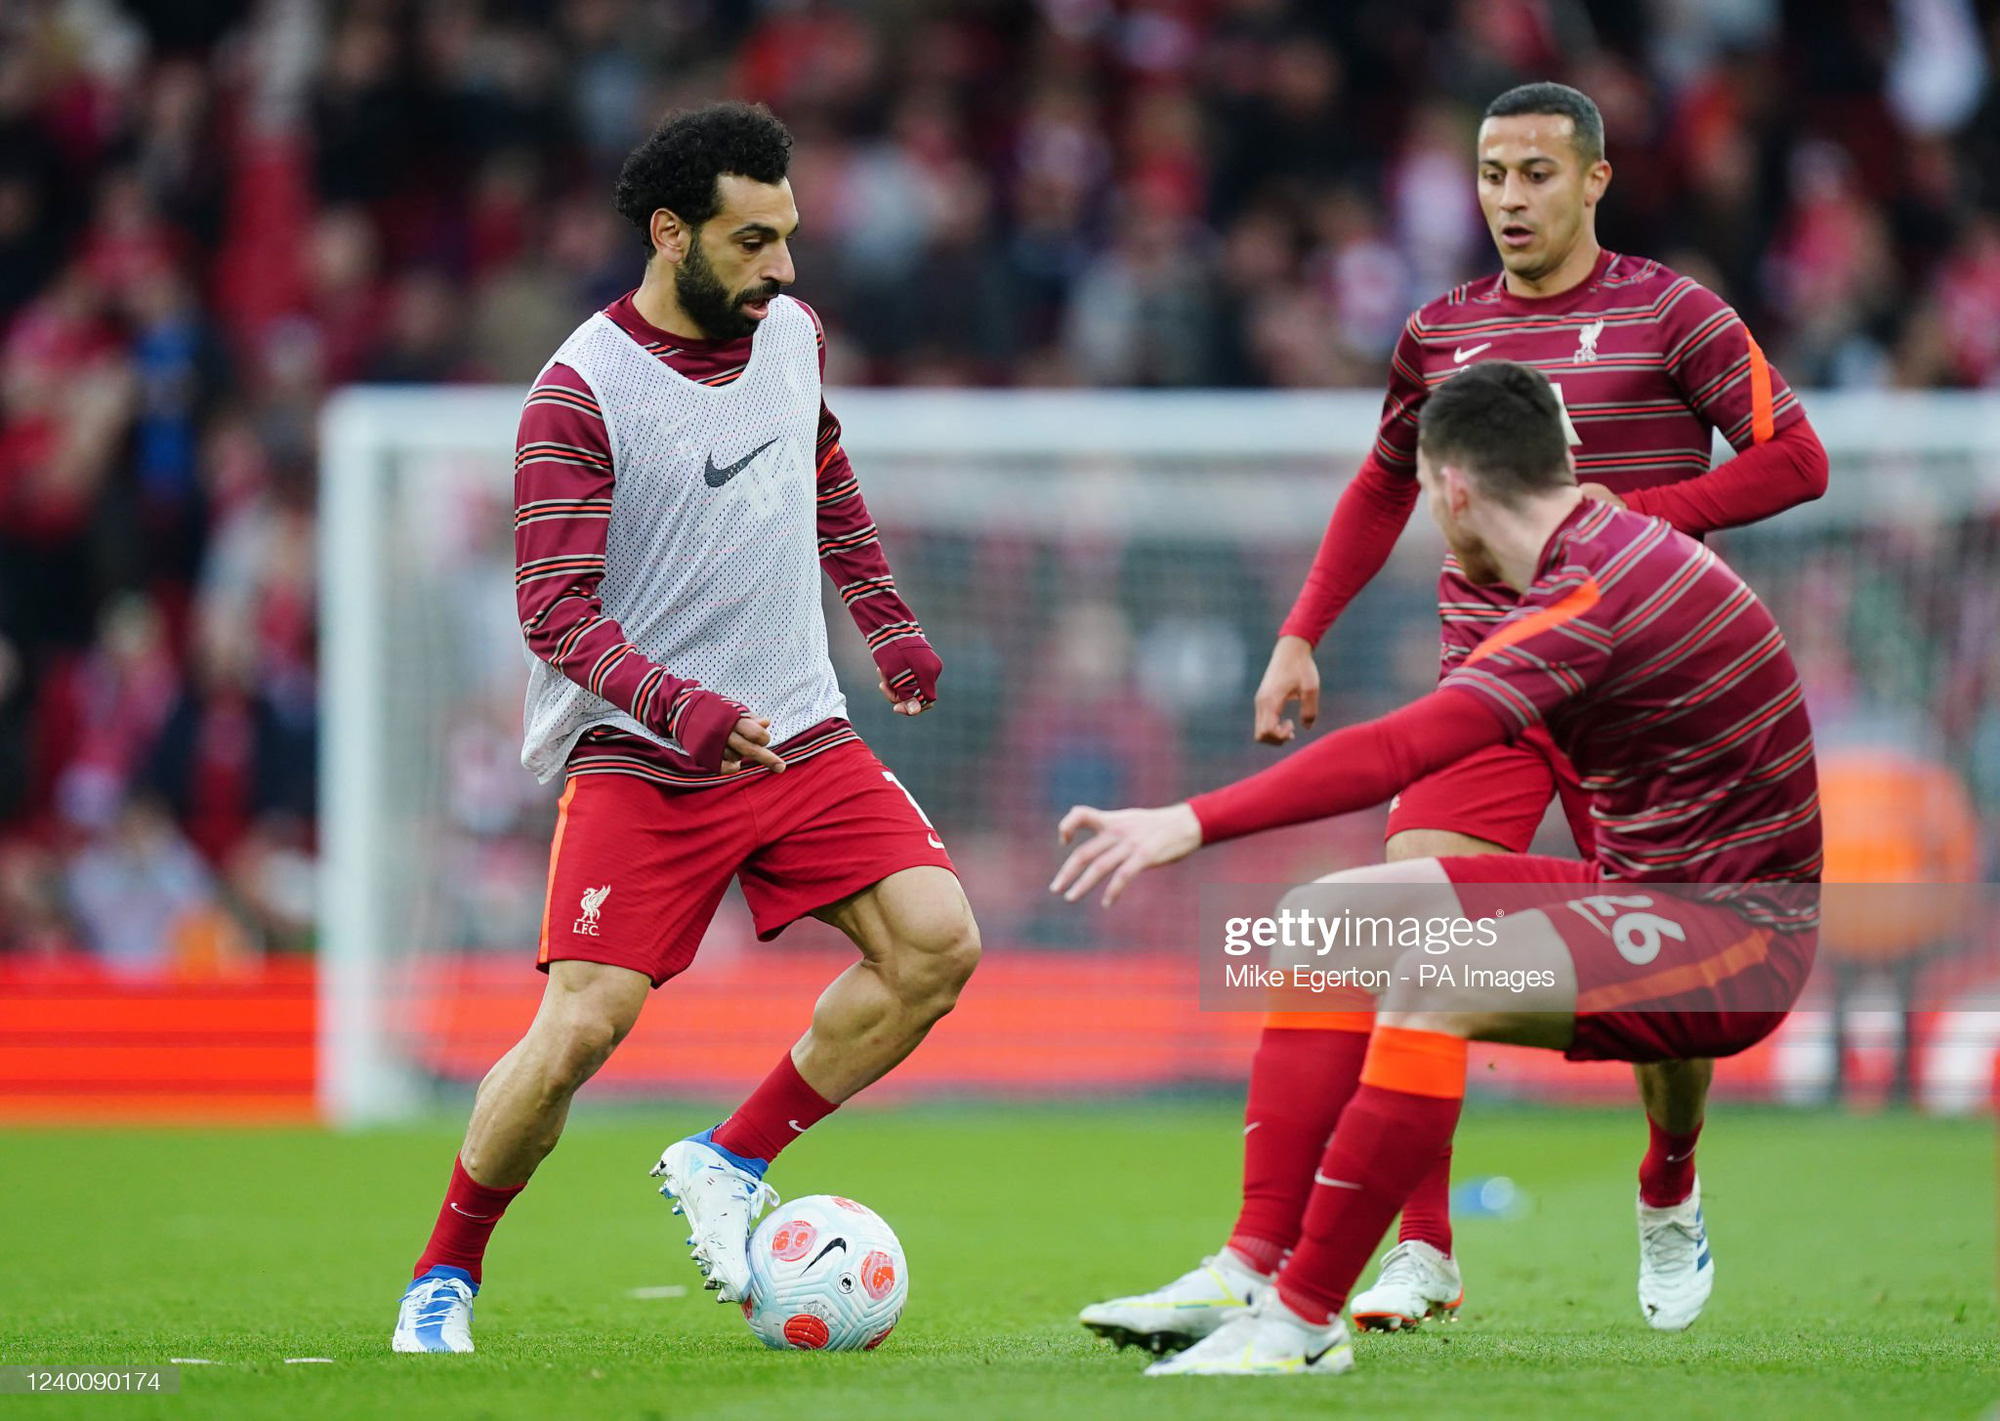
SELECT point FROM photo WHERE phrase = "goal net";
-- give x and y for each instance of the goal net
(1103, 574)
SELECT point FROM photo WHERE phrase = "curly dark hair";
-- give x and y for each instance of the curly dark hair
(677, 167)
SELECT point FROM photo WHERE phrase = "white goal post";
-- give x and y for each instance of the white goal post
(1008, 508)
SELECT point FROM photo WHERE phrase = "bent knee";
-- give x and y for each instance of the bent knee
(935, 959)
(953, 953)
(574, 1046)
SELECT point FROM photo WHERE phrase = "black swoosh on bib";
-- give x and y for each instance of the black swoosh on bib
(718, 475)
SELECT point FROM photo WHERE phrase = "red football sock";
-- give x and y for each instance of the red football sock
(1300, 1079)
(1393, 1130)
(1427, 1216)
(465, 1222)
(780, 1110)
(1666, 1175)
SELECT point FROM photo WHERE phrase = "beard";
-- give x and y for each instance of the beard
(711, 305)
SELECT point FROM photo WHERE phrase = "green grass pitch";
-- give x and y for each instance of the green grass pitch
(1855, 1260)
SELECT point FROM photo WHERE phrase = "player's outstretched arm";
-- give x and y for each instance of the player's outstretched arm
(1353, 768)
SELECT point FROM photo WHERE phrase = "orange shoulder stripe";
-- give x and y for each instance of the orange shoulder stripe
(1763, 422)
(1574, 605)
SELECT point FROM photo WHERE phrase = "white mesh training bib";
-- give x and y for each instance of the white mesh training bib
(712, 564)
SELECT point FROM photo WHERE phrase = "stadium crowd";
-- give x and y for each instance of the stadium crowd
(214, 211)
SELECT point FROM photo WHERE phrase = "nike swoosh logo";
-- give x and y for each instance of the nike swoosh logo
(1461, 355)
(831, 1245)
(936, 842)
(1312, 1357)
(1251, 1126)
(796, 1126)
(718, 475)
(1319, 1178)
(482, 1218)
(1676, 1159)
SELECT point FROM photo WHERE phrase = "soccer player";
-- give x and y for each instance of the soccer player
(1667, 685)
(679, 489)
(1646, 363)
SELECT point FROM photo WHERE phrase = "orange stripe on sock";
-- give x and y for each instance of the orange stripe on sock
(1415, 1062)
(555, 852)
(1361, 1021)
(1763, 423)
(1574, 605)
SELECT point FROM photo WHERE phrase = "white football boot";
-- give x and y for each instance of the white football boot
(1181, 1313)
(721, 1200)
(1416, 1282)
(436, 1315)
(1676, 1269)
(1266, 1339)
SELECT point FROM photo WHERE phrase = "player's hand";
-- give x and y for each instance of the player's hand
(1601, 494)
(751, 740)
(1291, 676)
(1124, 843)
(913, 706)
(907, 670)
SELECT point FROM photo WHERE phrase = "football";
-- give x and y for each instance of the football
(826, 1275)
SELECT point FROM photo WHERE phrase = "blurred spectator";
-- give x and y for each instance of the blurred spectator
(230, 754)
(1833, 275)
(1968, 306)
(66, 397)
(1142, 313)
(16, 732)
(423, 342)
(102, 712)
(1434, 209)
(145, 900)
(35, 920)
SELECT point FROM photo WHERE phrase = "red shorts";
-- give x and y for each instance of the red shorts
(1658, 977)
(637, 870)
(1499, 794)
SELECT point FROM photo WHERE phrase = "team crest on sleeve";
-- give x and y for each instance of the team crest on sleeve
(593, 904)
(1586, 343)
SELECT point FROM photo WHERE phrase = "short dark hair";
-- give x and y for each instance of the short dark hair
(677, 167)
(1549, 97)
(1501, 422)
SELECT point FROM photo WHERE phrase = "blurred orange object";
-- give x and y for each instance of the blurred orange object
(1895, 820)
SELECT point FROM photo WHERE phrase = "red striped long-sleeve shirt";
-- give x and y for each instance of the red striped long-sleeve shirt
(1646, 361)
(563, 484)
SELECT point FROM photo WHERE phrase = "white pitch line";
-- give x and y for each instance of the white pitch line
(191, 1361)
(295, 1361)
(666, 1290)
